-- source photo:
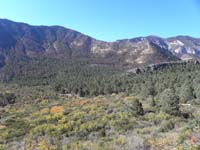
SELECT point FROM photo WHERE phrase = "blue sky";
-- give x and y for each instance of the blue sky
(110, 20)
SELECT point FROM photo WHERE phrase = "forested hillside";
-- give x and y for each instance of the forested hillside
(52, 105)
(88, 78)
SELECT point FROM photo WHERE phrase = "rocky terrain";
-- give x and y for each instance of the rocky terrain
(20, 39)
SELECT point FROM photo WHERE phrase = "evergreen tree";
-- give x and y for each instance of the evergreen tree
(169, 102)
(186, 92)
(197, 92)
(148, 90)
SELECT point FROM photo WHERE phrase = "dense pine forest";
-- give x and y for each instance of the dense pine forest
(86, 78)
(54, 104)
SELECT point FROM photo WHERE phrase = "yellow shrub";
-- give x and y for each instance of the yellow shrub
(129, 98)
(44, 101)
(120, 140)
(159, 143)
(84, 102)
(54, 117)
(44, 145)
(2, 126)
(1, 147)
(45, 111)
(57, 110)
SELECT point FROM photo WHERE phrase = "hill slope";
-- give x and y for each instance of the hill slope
(20, 39)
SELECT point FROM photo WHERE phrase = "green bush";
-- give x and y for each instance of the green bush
(166, 126)
(1, 147)
(133, 105)
(7, 98)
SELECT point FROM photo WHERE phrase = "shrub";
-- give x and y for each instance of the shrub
(44, 111)
(133, 105)
(44, 129)
(1, 147)
(7, 98)
(57, 110)
(166, 126)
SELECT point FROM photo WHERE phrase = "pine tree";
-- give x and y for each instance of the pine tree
(169, 102)
(197, 92)
(186, 93)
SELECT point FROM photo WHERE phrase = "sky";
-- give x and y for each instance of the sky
(110, 20)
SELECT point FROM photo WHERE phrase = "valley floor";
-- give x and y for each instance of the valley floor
(52, 105)
(101, 122)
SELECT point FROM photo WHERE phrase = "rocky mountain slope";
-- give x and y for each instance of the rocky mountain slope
(20, 39)
(184, 47)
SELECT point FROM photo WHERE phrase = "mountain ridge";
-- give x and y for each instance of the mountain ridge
(22, 39)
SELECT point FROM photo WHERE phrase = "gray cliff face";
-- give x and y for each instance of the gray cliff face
(184, 47)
